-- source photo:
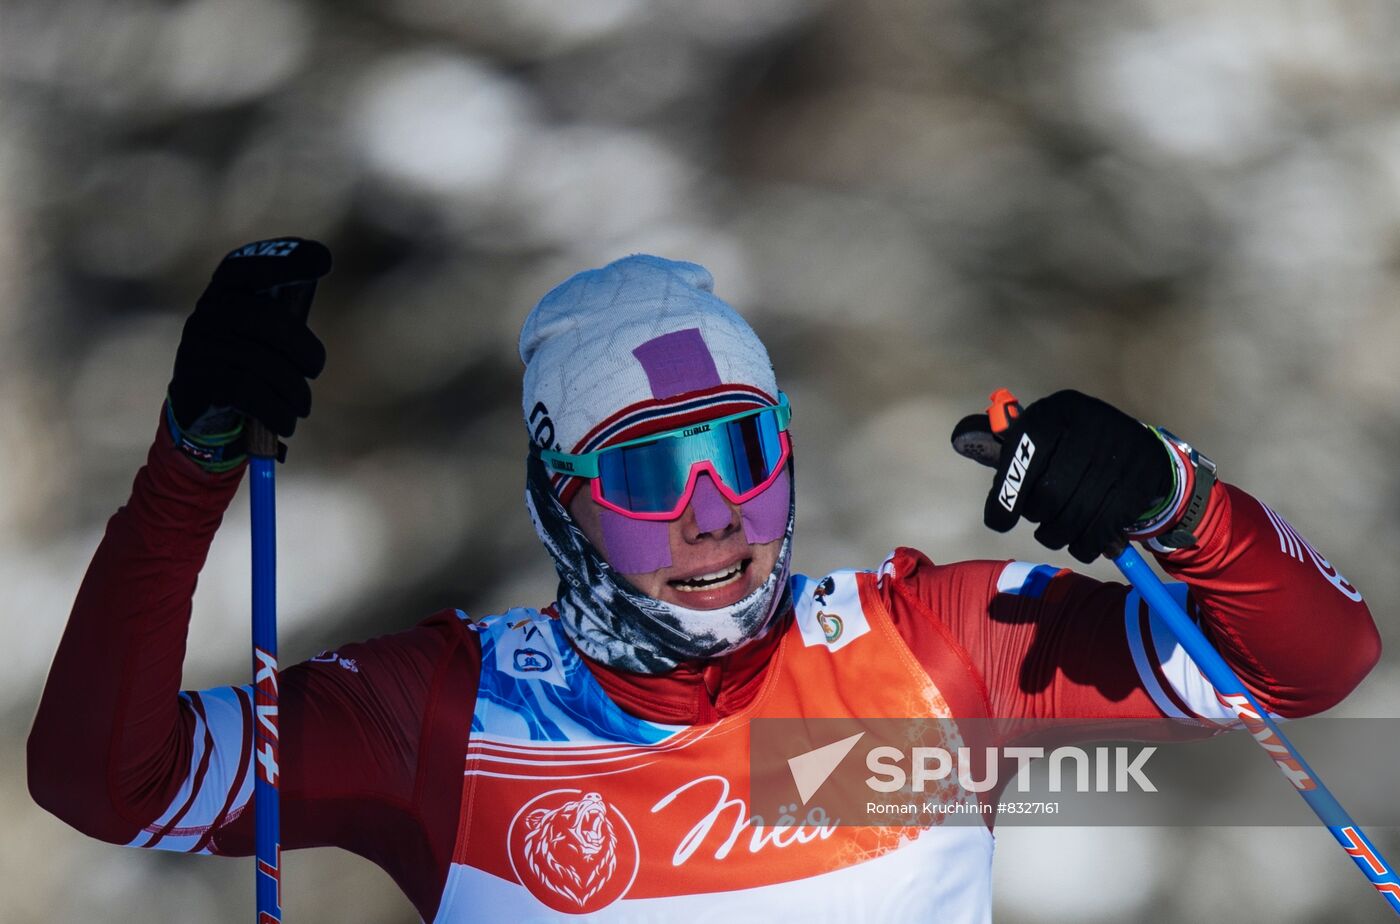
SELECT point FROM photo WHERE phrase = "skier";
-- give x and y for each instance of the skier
(590, 757)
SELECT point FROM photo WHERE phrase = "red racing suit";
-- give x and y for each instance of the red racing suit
(375, 734)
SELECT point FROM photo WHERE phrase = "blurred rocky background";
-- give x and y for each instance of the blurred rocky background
(1191, 209)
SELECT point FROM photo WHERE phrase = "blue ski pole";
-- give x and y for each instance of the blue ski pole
(978, 439)
(1236, 697)
(266, 802)
(264, 452)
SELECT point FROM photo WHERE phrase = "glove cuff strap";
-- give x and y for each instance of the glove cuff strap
(1194, 475)
(213, 452)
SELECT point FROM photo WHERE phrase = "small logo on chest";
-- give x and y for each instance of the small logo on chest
(532, 659)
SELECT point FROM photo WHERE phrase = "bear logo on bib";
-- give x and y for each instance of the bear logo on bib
(574, 851)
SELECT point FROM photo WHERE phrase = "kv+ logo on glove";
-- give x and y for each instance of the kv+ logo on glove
(1079, 467)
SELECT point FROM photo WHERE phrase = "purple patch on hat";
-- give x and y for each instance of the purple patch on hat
(635, 546)
(676, 363)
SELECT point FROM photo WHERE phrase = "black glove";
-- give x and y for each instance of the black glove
(1082, 469)
(246, 350)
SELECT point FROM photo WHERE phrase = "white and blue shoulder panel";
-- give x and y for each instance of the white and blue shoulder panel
(535, 687)
(1026, 579)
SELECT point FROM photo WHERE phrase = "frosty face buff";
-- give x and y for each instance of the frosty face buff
(614, 621)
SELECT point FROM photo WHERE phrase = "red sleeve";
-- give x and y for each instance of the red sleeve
(372, 738)
(372, 734)
(1040, 642)
(111, 736)
(1295, 630)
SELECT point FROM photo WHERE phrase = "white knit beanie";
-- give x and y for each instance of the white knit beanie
(632, 346)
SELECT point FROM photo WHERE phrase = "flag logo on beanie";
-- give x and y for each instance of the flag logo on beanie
(638, 346)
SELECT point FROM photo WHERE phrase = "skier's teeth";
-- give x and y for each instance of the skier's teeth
(712, 580)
